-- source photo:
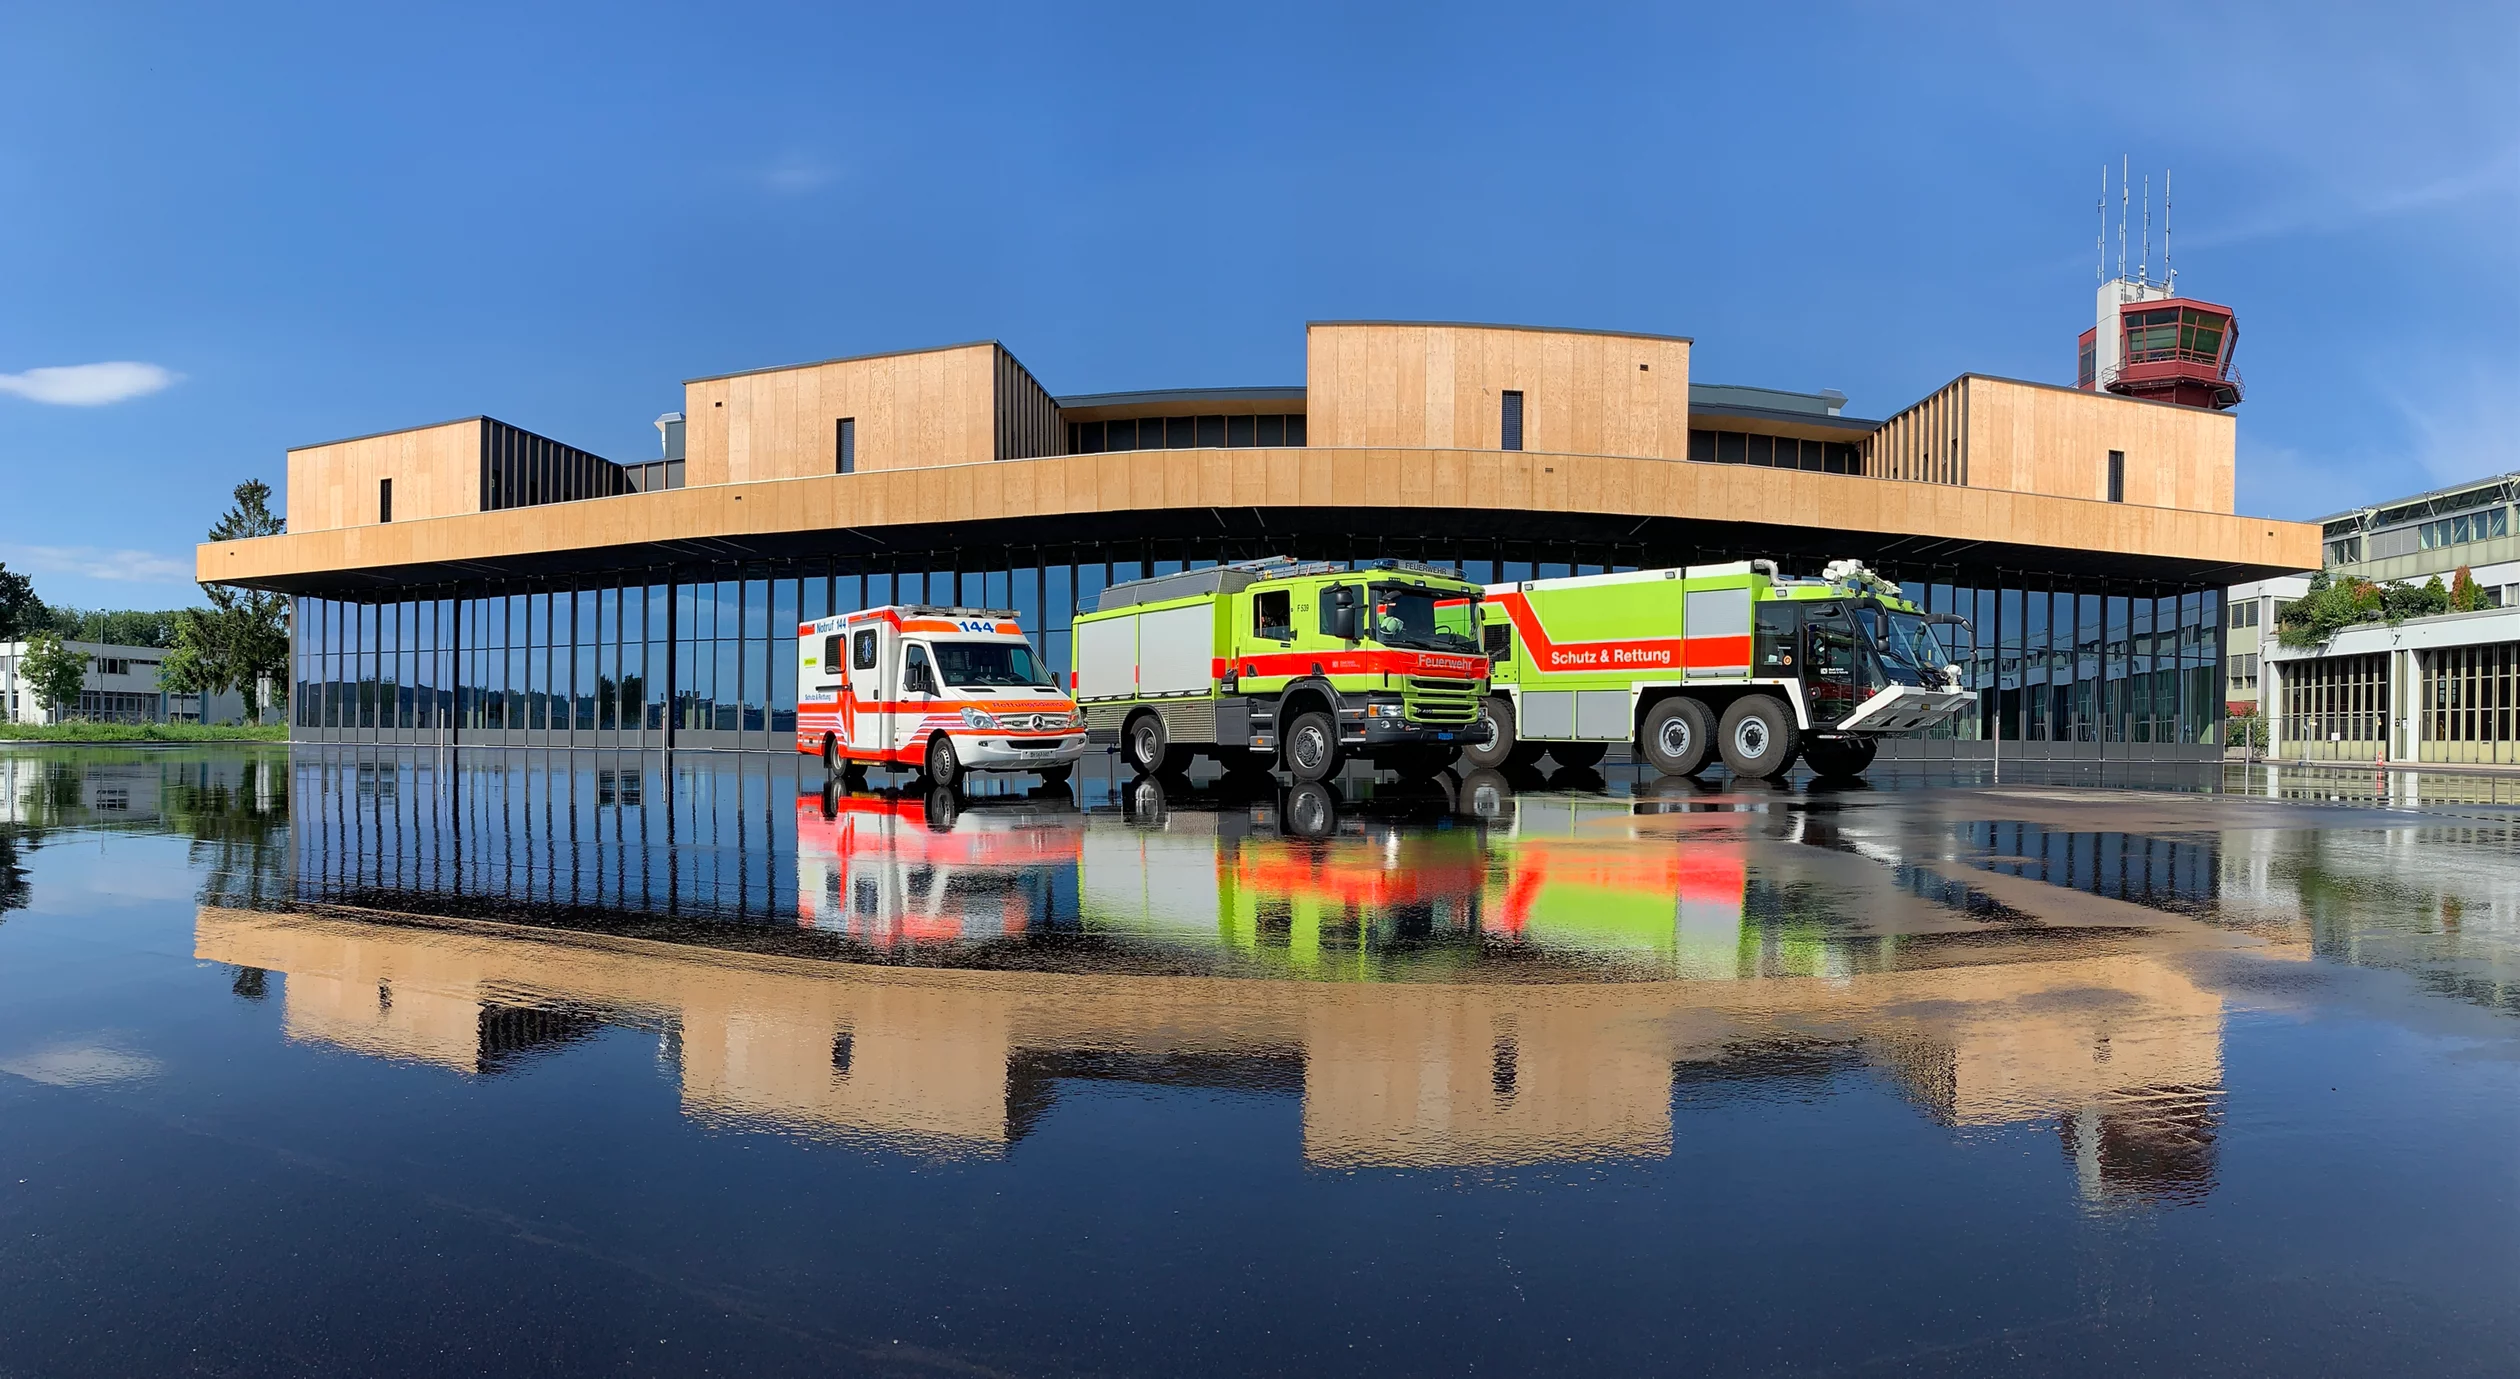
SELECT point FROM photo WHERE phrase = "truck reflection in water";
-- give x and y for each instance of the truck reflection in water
(1457, 976)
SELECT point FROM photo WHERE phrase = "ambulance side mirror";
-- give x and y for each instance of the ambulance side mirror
(1338, 612)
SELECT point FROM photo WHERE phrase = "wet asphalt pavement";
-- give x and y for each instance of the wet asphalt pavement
(539, 1063)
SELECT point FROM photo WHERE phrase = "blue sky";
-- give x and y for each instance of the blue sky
(304, 223)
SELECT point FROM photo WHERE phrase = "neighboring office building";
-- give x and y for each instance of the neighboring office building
(473, 581)
(2437, 689)
(2248, 630)
(122, 687)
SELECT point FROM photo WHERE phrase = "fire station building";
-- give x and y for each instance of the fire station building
(471, 582)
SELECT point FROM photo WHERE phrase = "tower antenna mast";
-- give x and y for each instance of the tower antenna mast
(2100, 237)
(2143, 269)
(2169, 275)
(2122, 217)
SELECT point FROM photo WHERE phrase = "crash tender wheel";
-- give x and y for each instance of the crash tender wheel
(1498, 714)
(1839, 756)
(1677, 736)
(1758, 736)
(944, 766)
(1312, 747)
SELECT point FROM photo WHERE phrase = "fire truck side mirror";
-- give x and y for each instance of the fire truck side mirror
(1338, 612)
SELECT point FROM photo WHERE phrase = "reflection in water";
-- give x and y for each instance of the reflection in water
(231, 802)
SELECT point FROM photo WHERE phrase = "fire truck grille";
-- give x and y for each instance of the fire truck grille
(1432, 700)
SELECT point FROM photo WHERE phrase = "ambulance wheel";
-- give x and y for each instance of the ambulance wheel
(1056, 775)
(1580, 755)
(1758, 737)
(831, 752)
(1677, 736)
(1839, 756)
(1501, 747)
(1312, 747)
(944, 766)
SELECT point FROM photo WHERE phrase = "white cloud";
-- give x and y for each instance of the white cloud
(96, 562)
(88, 385)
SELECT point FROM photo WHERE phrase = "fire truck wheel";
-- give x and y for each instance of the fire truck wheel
(1502, 746)
(1146, 745)
(1839, 756)
(1580, 755)
(1312, 811)
(1676, 736)
(944, 768)
(1758, 736)
(1312, 747)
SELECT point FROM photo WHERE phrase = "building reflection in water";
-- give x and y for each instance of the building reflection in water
(1552, 979)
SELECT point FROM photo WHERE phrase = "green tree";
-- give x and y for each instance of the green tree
(20, 611)
(242, 639)
(55, 672)
(118, 626)
(2466, 595)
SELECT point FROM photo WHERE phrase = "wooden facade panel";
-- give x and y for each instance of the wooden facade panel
(1434, 386)
(932, 407)
(436, 472)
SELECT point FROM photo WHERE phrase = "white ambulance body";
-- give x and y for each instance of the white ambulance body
(936, 690)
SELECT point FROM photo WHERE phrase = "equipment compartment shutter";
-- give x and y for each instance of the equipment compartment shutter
(1601, 715)
(1106, 658)
(1176, 650)
(1717, 625)
(1547, 715)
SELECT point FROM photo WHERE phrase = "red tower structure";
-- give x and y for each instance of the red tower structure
(2149, 341)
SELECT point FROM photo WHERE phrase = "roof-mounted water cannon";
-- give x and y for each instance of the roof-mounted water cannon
(1853, 577)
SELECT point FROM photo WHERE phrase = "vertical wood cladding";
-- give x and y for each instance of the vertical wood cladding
(520, 469)
(434, 469)
(2036, 438)
(1440, 386)
(1028, 422)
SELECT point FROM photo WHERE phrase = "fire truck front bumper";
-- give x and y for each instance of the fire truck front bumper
(1384, 723)
(1906, 709)
(1019, 751)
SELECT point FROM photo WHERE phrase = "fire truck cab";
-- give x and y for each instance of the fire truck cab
(940, 691)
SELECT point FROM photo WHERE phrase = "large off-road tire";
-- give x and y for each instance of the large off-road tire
(1312, 747)
(1147, 745)
(1678, 737)
(1758, 737)
(1839, 756)
(1580, 755)
(1497, 712)
(943, 768)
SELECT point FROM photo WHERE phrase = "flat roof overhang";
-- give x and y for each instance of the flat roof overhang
(1286, 495)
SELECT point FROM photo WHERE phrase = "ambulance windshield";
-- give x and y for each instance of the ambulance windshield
(988, 665)
(1416, 616)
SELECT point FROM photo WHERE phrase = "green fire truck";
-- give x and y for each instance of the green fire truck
(1306, 664)
(1711, 660)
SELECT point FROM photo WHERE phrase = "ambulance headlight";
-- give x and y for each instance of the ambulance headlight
(973, 718)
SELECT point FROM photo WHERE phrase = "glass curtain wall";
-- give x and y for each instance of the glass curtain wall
(706, 656)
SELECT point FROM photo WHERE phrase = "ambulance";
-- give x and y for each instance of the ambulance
(896, 870)
(939, 691)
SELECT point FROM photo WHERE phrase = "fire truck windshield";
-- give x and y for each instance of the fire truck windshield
(988, 665)
(1910, 651)
(1415, 616)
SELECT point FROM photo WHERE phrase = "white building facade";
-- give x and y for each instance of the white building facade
(121, 687)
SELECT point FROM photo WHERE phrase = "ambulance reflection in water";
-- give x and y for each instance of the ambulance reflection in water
(889, 869)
